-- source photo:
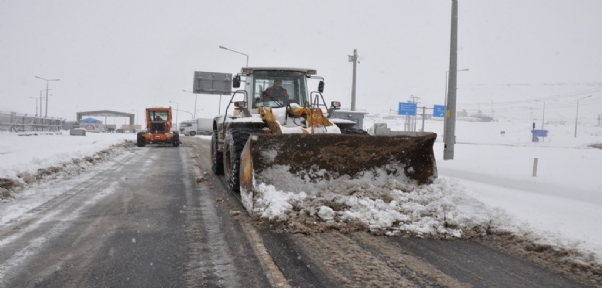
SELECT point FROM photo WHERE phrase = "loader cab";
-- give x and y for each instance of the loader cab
(158, 121)
(293, 81)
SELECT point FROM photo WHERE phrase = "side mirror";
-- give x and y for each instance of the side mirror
(236, 81)
(335, 105)
(321, 87)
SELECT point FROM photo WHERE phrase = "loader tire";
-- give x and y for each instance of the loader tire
(140, 142)
(234, 142)
(217, 157)
(356, 131)
(175, 140)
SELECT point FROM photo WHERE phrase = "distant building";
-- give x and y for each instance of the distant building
(90, 124)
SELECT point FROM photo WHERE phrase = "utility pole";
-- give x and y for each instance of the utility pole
(445, 100)
(423, 116)
(353, 58)
(413, 99)
(450, 111)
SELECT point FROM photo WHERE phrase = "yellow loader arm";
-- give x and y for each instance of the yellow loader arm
(313, 116)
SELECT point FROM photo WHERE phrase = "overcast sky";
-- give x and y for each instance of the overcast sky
(129, 55)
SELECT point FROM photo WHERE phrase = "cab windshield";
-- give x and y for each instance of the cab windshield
(264, 86)
(158, 115)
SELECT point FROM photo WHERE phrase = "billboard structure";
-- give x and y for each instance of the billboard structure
(212, 83)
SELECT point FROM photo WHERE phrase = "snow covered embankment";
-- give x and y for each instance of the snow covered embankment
(71, 166)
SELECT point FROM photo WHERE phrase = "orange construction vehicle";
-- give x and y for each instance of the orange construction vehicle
(158, 128)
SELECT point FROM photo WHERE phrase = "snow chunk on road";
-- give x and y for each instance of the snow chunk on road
(326, 213)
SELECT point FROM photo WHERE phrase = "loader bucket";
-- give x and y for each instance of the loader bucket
(313, 163)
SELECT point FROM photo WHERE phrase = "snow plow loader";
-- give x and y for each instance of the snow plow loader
(292, 143)
(158, 128)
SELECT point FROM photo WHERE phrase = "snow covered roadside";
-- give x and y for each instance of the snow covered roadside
(26, 160)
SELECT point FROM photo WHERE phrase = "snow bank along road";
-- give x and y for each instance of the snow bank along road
(157, 217)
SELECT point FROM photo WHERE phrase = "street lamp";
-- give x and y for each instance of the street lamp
(544, 112)
(177, 111)
(195, 98)
(577, 116)
(36, 99)
(222, 47)
(41, 100)
(445, 100)
(47, 80)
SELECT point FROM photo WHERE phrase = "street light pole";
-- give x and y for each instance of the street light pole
(41, 105)
(195, 98)
(222, 47)
(177, 112)
(47, 80)
(577, 115)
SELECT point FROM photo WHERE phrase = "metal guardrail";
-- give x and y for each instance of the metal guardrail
(14, 122)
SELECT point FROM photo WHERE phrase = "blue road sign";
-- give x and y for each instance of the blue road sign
(540, 133)
(407, 109)
(439, 111)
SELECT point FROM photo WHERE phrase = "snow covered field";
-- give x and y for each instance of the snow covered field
(488, 184)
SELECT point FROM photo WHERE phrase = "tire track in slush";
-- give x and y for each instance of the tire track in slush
(211, 263)
(348, 263)
(272, 273)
